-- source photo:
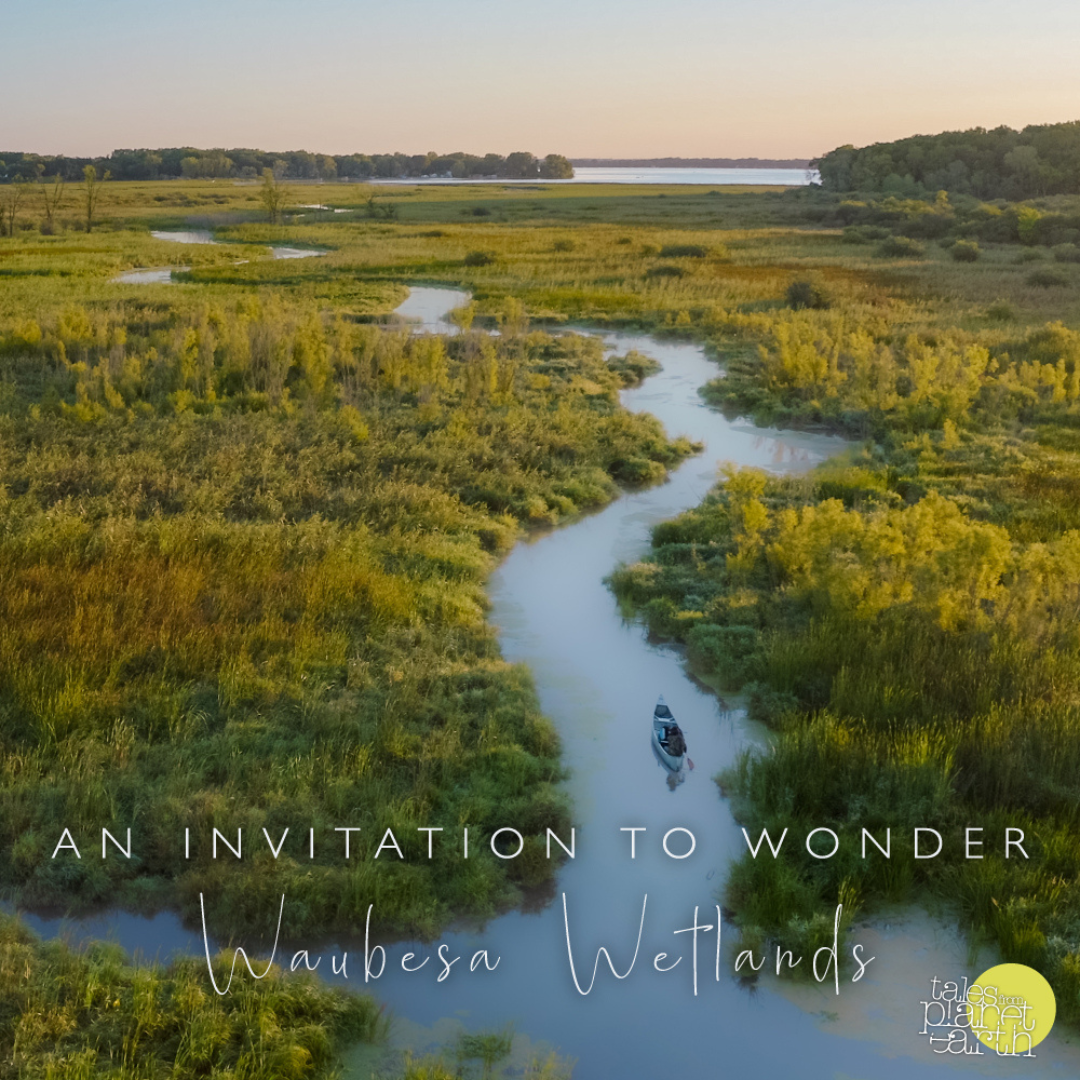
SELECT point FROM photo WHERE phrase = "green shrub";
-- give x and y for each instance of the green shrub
(1049, 278)
(637, 470)
(683, 251)
(722, 650)
(807, 294)
(901, 247)
(634, 367)
(965, 251)
(863, 234)
(665, 270)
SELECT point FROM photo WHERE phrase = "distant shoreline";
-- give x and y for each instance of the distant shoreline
(690, 163)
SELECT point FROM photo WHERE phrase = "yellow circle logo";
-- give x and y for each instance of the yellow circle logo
(1011, 1008)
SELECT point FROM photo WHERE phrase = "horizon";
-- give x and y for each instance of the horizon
(575, 159)
(603, 80)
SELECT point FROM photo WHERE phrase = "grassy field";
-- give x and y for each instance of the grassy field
(245, 532)
(245, 524)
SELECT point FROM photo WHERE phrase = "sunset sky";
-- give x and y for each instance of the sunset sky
(773, 78)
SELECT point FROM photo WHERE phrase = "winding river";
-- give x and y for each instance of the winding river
(598, 678)
(164, 275)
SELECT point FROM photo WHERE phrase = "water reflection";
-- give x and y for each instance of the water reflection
(185, 236)
(672, 777)
(427, 308)
(148, 277)
(164, 276)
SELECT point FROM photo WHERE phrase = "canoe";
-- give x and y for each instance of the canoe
(667, 737)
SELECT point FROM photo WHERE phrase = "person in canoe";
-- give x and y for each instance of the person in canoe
(668, 738)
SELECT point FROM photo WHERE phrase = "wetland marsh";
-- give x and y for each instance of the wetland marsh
(248, 525)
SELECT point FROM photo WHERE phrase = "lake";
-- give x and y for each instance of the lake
(714, 177)
(787, 177)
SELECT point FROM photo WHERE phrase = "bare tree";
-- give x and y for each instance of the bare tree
(274, 195)
(92, 192)
(14, 193)
(52, 195)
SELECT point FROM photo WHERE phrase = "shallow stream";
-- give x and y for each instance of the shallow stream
(164, 275)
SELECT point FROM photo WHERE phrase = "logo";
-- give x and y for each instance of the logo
(1008, 1010)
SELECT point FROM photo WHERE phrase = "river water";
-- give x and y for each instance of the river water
(598, 678)
(164, 275)
(426, 309)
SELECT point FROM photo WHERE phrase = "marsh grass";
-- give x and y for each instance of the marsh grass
(273, 616)
(245, 534)
(914, 648)
(80, 1015)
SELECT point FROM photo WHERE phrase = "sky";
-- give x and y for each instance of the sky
(585, 78)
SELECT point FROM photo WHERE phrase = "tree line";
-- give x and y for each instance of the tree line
(189, 162)
(1040, 160)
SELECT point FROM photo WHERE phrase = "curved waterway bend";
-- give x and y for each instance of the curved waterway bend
(164, 275)
(598, 678)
